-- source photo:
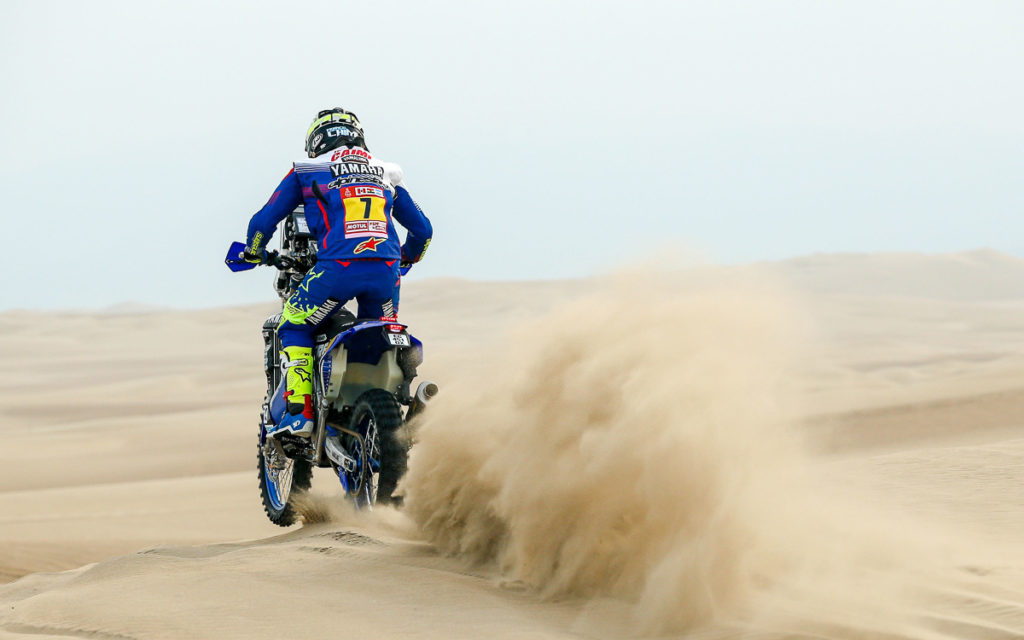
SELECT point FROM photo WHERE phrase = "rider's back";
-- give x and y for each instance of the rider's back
(351, 200)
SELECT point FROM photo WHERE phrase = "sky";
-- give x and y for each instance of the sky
(544, 139)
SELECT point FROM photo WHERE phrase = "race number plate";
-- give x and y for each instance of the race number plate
(399, 339)
(365, 215)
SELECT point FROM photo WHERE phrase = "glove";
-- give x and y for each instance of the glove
(254, 258)
(253, 253)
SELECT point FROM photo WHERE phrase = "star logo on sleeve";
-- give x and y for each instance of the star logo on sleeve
(369, 245)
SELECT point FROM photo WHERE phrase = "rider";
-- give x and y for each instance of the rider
(350, 198)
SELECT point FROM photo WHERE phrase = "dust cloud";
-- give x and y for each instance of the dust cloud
(640, 444)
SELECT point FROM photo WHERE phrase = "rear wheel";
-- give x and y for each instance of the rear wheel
(377, 416)
(281, 478)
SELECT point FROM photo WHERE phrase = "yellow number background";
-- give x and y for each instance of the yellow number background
(356, 209)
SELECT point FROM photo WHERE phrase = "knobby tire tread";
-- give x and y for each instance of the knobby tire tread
(302, 479)
(394, 454)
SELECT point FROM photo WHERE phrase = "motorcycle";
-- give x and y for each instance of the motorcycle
(362, 378)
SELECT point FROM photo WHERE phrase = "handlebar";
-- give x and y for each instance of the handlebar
(283, 263)
(236, 260)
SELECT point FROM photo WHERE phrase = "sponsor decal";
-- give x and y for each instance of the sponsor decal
(370, 244)
(348, 168)
(389, 318)
(257, 239)
(363, 228)
(325, 309)
(302, 372)
(335, 132)
(310, 277)
(362, 190)
(326, 367)
(365, 212)
(354, 179)
(350, 155)
(317, 139)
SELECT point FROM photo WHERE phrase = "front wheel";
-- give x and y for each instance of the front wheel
(377, 417)
(281, 478)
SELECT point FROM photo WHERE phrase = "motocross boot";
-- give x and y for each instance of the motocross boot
(298, 417)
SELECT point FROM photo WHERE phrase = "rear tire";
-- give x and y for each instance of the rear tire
(383, 409)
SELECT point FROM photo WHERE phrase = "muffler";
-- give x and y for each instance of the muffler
(425, 392)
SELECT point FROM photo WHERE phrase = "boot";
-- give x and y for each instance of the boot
(298, 396)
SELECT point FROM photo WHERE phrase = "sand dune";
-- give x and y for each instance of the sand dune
(826, 447)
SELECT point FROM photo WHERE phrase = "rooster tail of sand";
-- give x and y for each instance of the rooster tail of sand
(640, 445)
(632, 445)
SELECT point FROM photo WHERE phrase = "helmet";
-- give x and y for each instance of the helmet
(333, 128)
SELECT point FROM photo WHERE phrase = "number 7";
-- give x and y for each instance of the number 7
(369, 203)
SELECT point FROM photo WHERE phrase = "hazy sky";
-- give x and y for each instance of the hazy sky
(543, 139)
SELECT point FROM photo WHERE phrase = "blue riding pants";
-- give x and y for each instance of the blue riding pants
(328, 286)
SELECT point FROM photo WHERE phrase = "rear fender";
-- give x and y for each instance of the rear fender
(361, 358)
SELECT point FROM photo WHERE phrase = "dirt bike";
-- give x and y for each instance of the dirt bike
(362, 376)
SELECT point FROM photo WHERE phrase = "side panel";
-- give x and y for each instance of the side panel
(360, 359)
(272, 368)
(360, 377)
(332, 371)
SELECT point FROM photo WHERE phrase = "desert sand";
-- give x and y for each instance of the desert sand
(826, 447)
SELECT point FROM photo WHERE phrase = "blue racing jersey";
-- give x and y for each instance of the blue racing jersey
(351, 203)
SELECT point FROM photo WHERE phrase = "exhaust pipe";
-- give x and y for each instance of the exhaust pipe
(425, 392)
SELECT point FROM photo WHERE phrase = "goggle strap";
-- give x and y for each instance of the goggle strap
(347, 118)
